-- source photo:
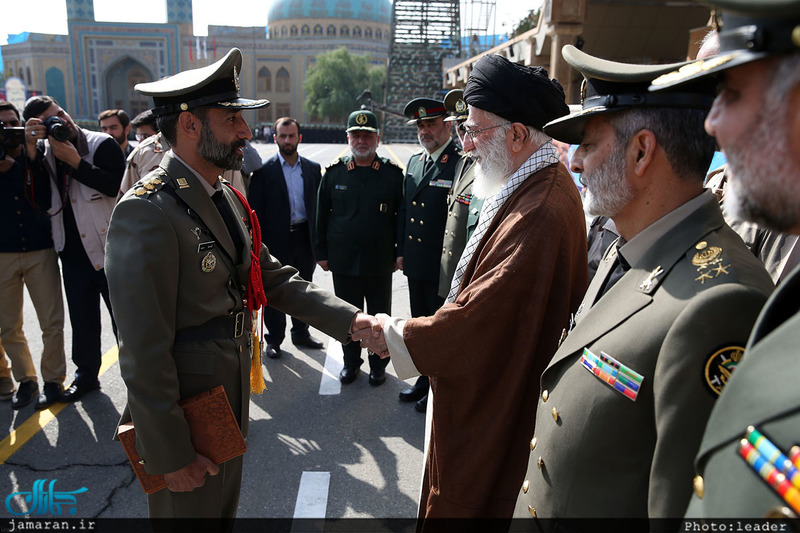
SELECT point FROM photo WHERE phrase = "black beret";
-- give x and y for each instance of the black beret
(515, 92)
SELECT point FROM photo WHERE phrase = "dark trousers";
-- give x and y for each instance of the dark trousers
(84, 286)
(424, 300)
(377, 291)
(423, 297)
(301, 257)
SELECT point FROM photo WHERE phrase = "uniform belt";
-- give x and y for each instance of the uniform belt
(222, 327)
(298, 226)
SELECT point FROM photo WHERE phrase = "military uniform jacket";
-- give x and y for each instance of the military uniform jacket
(762, 393)
(485, 351)
(360, 217)
(455, 229)
(269, 198)
(166, 273)
(679, 318)
(426, 212)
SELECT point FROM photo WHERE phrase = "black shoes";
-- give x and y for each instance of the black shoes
(422, 405)
(76, 391)
(51, 393)
(416, 393)
(349, 375)
(307, 341)
(273, 351)
(25, 394)
(377, 377)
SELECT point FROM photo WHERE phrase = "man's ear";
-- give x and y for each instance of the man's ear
(189, 124)
(519, 136)
(641, 149)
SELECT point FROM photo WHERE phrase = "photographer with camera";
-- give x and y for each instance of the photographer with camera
(85, 170)
(27, 258)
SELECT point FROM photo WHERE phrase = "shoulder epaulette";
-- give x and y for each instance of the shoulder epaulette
(149, 184)
(337, 161)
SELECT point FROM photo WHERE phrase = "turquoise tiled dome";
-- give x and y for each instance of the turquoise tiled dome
(366, 10)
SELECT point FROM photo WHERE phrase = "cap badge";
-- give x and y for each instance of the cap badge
(461, 106)
(422, 112)
(361, 119)
(235, 79)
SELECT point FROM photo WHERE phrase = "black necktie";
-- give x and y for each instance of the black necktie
(230, 222)
(427, 166)
(619, 271)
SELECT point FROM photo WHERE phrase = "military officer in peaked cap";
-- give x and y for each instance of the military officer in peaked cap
(428, 180)
(184, 276)
(624, 400)
(359, 232)
(741, 467)
(460, 201)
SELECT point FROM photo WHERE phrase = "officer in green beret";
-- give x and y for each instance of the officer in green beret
(747, 463)
(186, 273)
(429, 177)
(459, 200)
(624, 401)
(359, 233)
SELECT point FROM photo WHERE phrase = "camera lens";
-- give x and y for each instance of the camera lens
(57, 129)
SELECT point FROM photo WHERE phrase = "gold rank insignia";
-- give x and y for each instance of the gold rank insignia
(209, 263)
(709, 262)
(719, 367)
(647, 284)
(140, 191)
(182, 183)
(149, 186)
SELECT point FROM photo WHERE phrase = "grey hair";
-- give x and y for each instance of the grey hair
(785, 77)
(679, 132)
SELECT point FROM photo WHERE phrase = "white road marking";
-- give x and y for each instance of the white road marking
(312, 496)
(330, 385)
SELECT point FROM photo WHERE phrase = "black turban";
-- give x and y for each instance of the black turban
(515, 92)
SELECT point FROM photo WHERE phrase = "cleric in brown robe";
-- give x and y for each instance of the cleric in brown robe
(523, 272)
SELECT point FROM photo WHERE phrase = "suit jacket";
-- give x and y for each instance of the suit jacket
(485, 351)
(455, 229)
(426, 212)
(679, 317)
(269, 198)
(166, 273)
(762, 393)
(360, 217)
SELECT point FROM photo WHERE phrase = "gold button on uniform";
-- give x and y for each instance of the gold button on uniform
(412, 220)
(414, 202)
(423, 204)
(532, 511)
(419, 240)
(533, 443)
(421, 222)
(540, 463)
(555, 414)
(699, 486)
(545, 395)
(525, 486)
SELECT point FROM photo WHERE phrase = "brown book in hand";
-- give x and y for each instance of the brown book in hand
(213, 428)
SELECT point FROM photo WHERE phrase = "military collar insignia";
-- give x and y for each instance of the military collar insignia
(209, 263)
(650, 280)
(445, 158)
(182, 183)
(351, 165)
(376, 165)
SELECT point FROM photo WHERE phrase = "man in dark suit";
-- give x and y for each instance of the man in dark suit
(283, 193)
(428, 180)
(755, 120)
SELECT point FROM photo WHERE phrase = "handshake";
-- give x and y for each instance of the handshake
(368, 330)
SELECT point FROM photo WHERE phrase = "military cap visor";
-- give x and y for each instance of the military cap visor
(424, 109)
(610, 87)
(748, 31)
(215, 85)
(362, 121)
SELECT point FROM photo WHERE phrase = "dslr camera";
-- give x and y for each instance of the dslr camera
(56, 128)
(10, 138)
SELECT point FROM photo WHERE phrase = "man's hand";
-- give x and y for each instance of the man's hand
(192, 475)
(33, 132)
(65, 151)
(398, 263)
(366, 329)
(323, 264)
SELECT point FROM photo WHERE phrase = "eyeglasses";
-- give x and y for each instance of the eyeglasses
(472, 133)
